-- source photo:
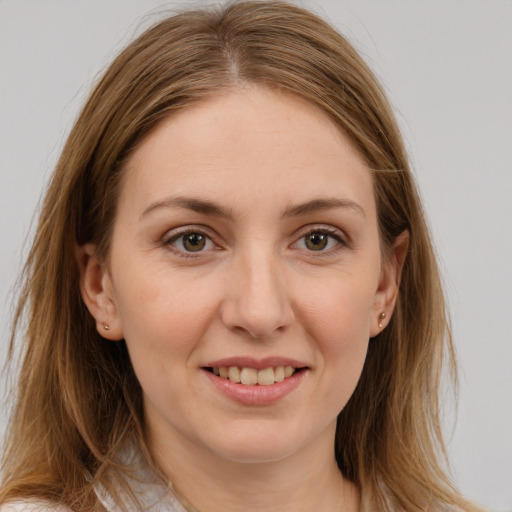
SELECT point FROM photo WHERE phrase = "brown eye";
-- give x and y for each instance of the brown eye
(191, 242)
(316, 241)
(194, 242)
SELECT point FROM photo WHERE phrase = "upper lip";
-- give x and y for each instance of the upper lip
(258, 364)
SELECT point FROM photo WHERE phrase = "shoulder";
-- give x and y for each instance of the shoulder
(33, 506)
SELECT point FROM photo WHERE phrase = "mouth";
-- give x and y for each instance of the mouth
(255, 377)
(256, 382)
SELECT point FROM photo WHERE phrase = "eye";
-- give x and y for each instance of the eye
(191, 242)
(320, 240)
(316, 241)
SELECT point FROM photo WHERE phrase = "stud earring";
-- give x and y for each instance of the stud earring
(381, 317)
(106, 327)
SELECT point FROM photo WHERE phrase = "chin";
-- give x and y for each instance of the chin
(257, 444)
(255, 454)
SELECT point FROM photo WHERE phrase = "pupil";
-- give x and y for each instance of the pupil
(194, 242)
(316, 241)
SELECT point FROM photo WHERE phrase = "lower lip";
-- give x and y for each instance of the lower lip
(256, 395)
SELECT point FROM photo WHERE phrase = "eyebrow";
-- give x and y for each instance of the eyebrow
(207, 207)
(319, 205)
(190, 203)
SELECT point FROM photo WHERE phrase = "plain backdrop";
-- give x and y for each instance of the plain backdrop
(447, 67)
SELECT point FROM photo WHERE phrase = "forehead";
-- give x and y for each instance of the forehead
(246, 145)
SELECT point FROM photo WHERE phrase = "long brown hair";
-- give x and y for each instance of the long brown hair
(78, 398)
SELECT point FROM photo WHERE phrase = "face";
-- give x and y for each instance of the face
(245, 247)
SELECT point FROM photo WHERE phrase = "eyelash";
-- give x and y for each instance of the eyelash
(331, 232)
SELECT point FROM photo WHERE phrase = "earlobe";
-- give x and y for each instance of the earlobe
(97, 292)
(389, 283)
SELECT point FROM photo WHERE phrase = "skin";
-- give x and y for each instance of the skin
(256, 289)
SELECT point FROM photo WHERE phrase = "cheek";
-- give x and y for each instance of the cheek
(165, 311)
(338, 319)
(340, 311)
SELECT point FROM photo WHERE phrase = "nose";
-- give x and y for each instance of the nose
(257, 302)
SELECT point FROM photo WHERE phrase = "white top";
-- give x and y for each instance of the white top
(152, 493)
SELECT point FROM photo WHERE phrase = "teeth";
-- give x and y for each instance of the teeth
(266, 377)
(279, 374)
(234, 374)
(251, 376)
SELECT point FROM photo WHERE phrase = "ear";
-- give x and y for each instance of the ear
(389, 282)
(98, 293)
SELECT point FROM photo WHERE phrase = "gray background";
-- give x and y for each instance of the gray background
(447, 66)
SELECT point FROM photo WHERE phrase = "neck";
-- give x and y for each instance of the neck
(307, 480)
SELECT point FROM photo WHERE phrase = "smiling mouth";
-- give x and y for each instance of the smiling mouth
(252, 376)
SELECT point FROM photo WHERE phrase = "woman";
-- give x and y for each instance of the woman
(232, 276)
